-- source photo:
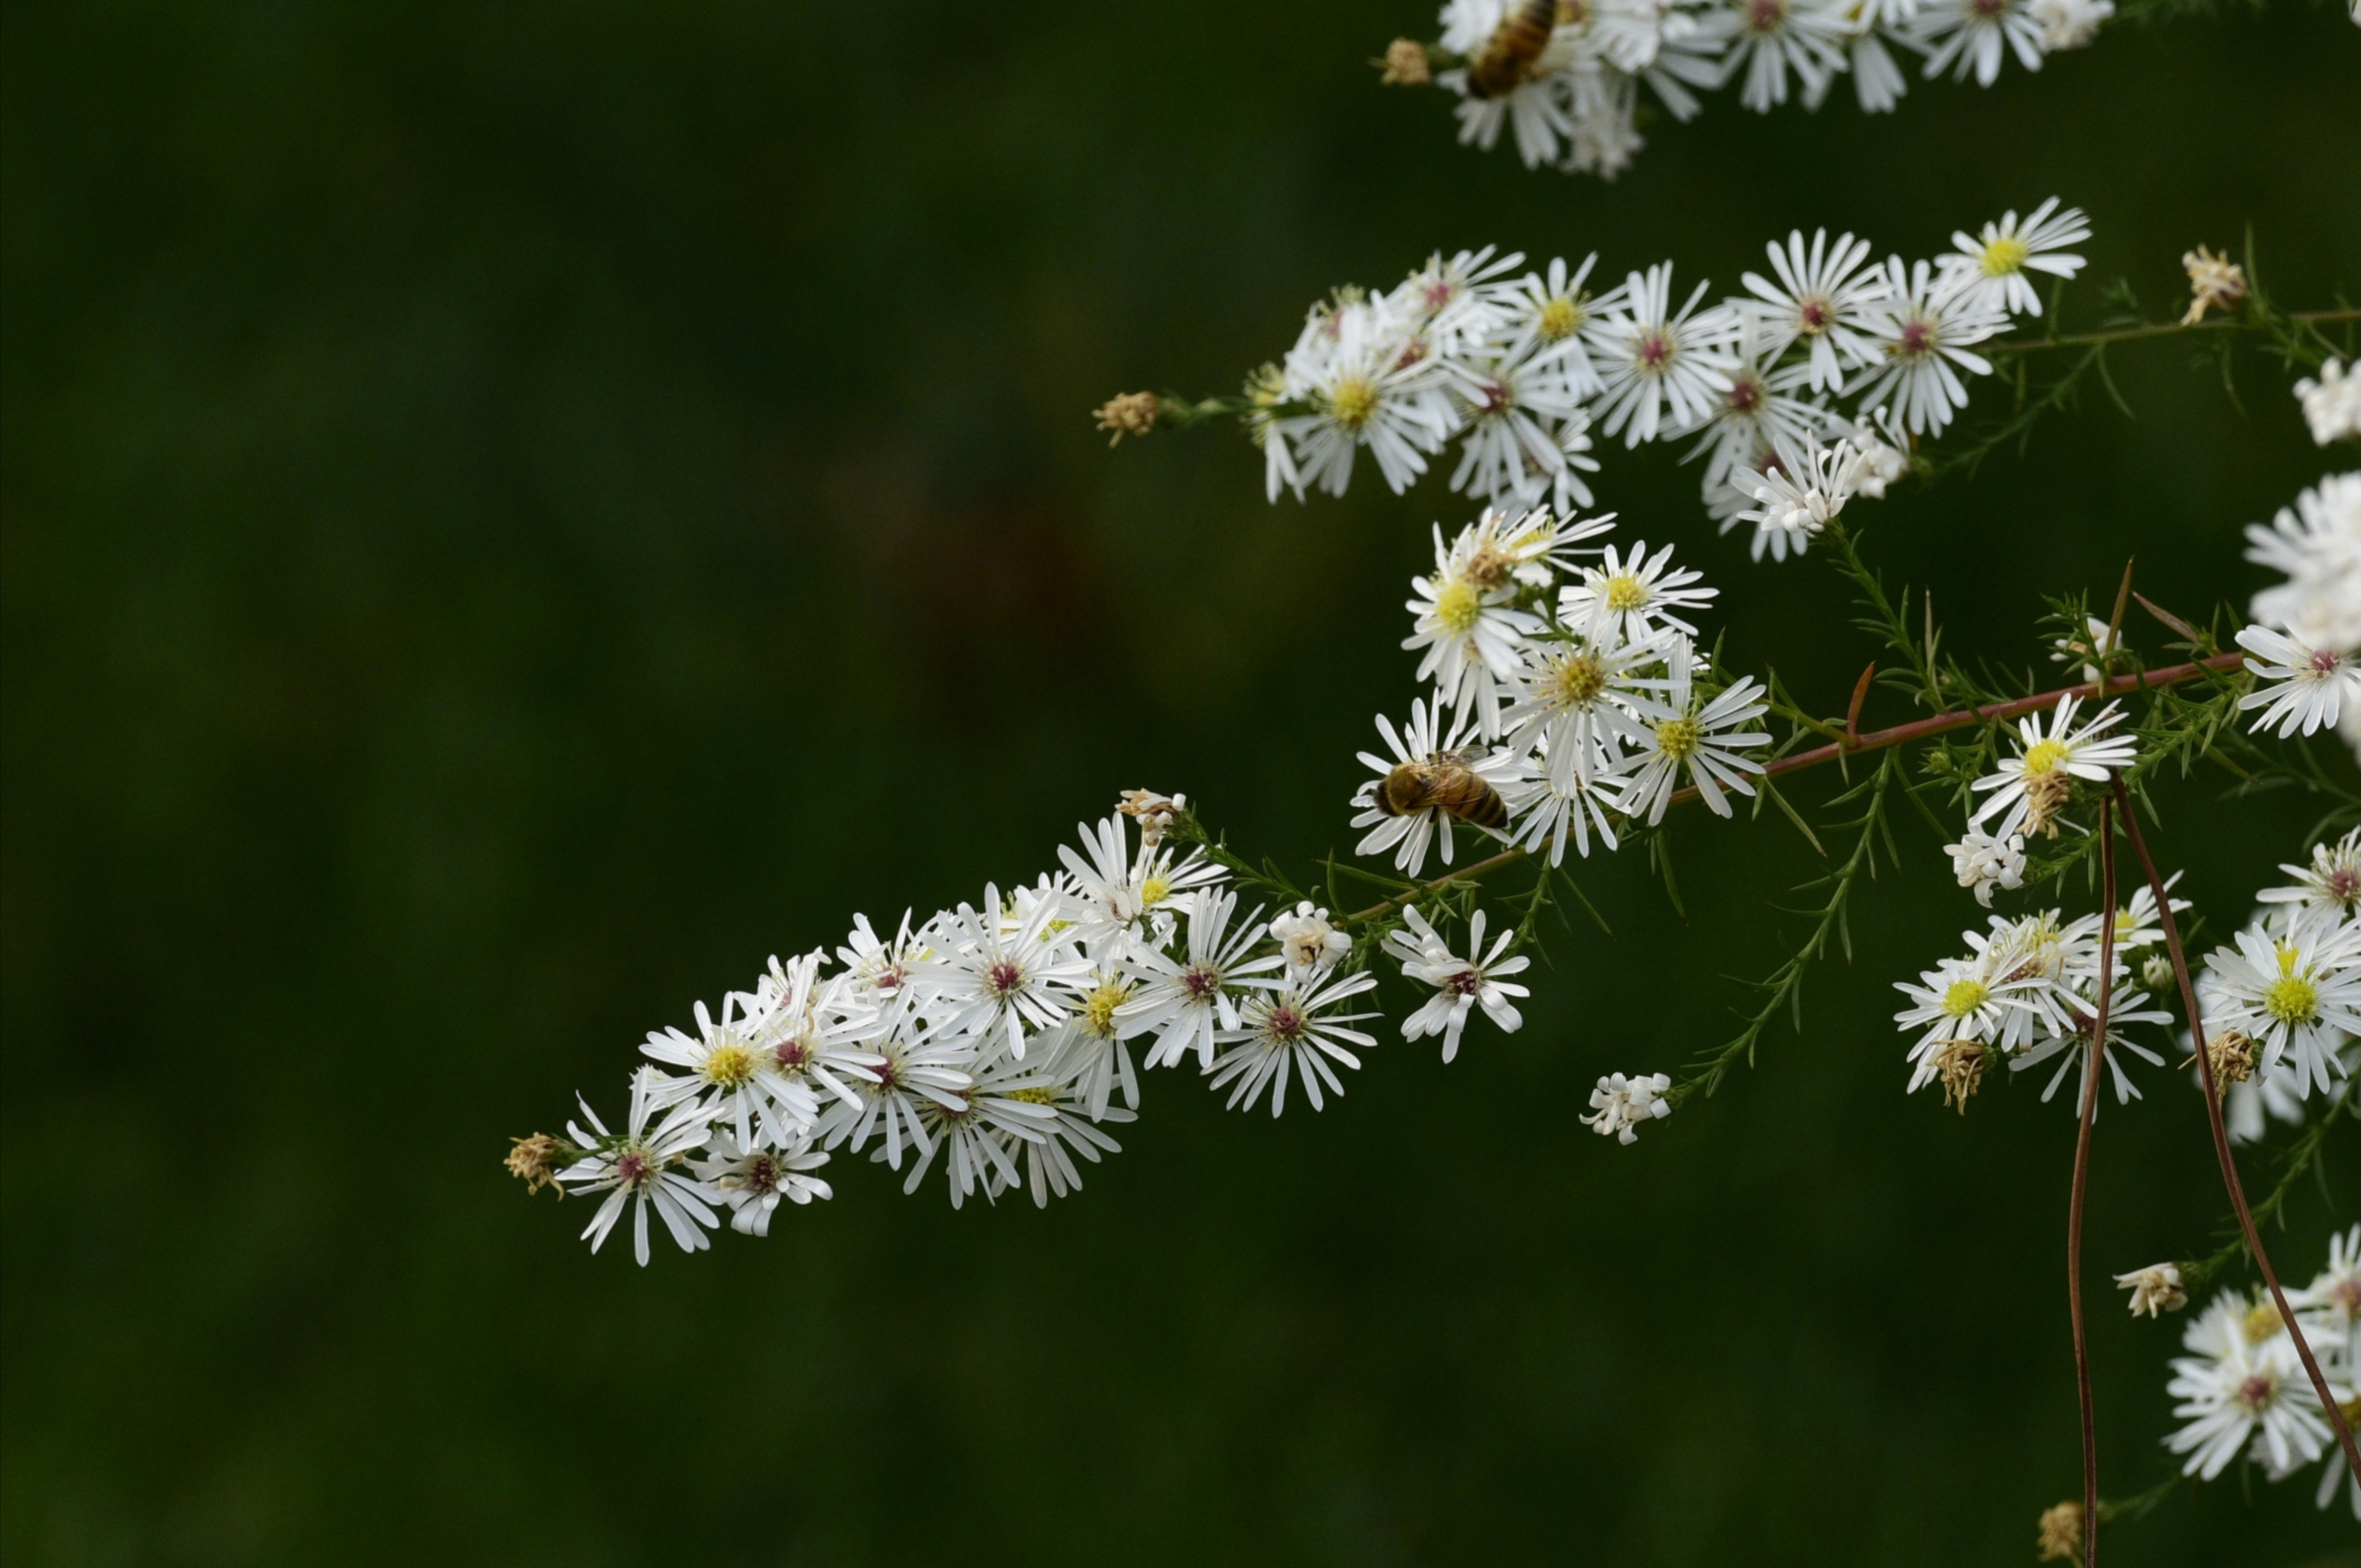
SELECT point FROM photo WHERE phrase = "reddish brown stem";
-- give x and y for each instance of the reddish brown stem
(2082, 1182)
(2222, 1136)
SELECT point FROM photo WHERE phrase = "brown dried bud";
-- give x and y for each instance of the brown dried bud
(1406, 64)
(1126, 413)
(1154, 812)
(2214, 281)
(2045, 796)
(2233, 1055)
(2061, 1533)
(1961, 1067)
(533, 1158)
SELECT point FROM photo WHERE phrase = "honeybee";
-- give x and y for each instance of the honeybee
(1509, 55)
(1445, 781)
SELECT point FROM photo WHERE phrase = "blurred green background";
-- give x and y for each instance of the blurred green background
(513, 514)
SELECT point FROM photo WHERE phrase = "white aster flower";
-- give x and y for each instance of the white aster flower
(917, 1068)
(1545, 313)
(1604, 105)
(1767, 38)
(1527, 434)
(879, 970)
(2156, 1288)
(1641, 592)
(1974, 34)
(1307, 942)
(1070, 1129)
(1122, 896)
(1291, 1027)
(2069, 24)
(1186, 999)
(1574, 701)
(1757, 414)
(2028, 789)
(1533, 104)
(636, 1167)
(1564, 802)
(1088, 1050)
(2081, 1025)
(753, 1180)
(1453, 304)
(2097, 640)
(1424, 742)
(1983, 863)
(2331, 403)
(2245, 1389)
(2330, 885)
(1470, 638)
(2330, 1307)
(1660, 367)
(1969, 1001)
(1791, 506)
(2297, 994)
(2317, 542)
(1988, 269)
(1000, 977)
(1461, 984)
(1923, 336)
(1369, 383)
(1821, 299)
(1706, 737)
(2298, 689)
(729, 1075)
(1619, 1104)
(978, 1132)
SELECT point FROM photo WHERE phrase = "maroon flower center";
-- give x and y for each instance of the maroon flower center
(2325, 660)
(763, 1176)
(1005, 978)
(1441, 292)
(1745, 395)
(792, 1056)
(1286, 1023)
(1465, 983)
(1655, 351)
(1813, 315)
(1917, 337)
(2344, 885)
(2257, 1391)
(635, 1168)
(1201, 981)
(1497, 398)
(1765, 16)
(1988, 9)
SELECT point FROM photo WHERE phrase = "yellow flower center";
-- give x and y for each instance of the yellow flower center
(1964, 997)
(2005, 256)
(1625, 592)
(2261, 1321)
(1155, 891)
(1578, 680)
(730, 1066)
(1677, 738)
(1040, 1095)
(1098, 1009)
(2044, 758)
(1457, 606)
(2291, 998)
(1561, 319)
(1352, 403)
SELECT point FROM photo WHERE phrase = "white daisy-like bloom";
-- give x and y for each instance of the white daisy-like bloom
(1988, 269)
(1069, 1130)
(1423, 739)
(1877, 79)
(2329, 887)
(1625, 34)
(2241, 1388)
(1604, 105)
(1704, 738)
(1307, 942)
(1519, 411)
(1961, 1000)
(1369, 385)
(1986, 863)
(2074, 1042)
(1574, 700)
(753, 1180)
(1660, 368)
(2138, 924)
(1545, 311)
(2279, 1094)
(2330, 1307)
(1768, 39)
(1530, 547)
(1455, 303)
(1690, 59)
(1791, 506)
(729, 1075)
(879, 970)
(999, 979)
(2051, 960)
(918, 1067)
(1559, 803)
(1821, 298)
(979, 1132)
(1088, 1052)
(1471, 638)
(1190, 998)
(1290, 1027)
(1122, 895)
(2317, 542)
(812, 1036)
(1963, 36)
(1884, 451)
(636, 1167)
(1620, 1104)
(2331, 403)
(2028, 789)
(2298, 689)
(1922, 335)
(2154, 1289)
(1642, 594)
(1461, 984)
(1534, 108)
(2069, 24)
(2297, 994)
(1758, 412)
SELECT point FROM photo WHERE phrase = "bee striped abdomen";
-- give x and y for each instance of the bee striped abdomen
(1511, 52)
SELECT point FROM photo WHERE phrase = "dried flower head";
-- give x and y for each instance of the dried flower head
(2216, 282)
(2232, 1053)
(1155, 813)
(534, 1160)
(2061, 1533)
(2044, 798)
(1959, 1063)
(1126, 413)
(1406, 64)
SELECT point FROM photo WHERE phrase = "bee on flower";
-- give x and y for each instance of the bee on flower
(2028, 791)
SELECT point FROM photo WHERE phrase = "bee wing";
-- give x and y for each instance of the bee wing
(1459, 757)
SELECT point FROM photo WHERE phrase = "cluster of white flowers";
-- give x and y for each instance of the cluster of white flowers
(1566, 76)
(2242, 1388)
(2305, 645)
(1521, 367)
(2287, 987)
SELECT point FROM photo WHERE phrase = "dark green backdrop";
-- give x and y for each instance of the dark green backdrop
(513, 514)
